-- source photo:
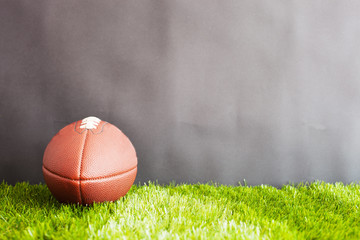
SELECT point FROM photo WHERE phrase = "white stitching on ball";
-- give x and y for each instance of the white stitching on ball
(90, 123)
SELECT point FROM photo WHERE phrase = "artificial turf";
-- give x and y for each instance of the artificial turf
(187, 211)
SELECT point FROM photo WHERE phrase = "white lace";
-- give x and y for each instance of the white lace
(90, 123)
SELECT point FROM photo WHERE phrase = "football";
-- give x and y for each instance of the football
(89, 161)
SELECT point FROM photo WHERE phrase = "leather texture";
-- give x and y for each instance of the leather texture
(89, 165)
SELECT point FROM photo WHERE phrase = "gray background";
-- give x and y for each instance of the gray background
(266, 91)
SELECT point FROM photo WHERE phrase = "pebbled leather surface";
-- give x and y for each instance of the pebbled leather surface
(111, 188)
(106, 154)
(85, 166)
(63, 153)
(64, 190)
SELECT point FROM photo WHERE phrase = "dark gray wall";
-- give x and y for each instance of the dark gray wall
(206, 90)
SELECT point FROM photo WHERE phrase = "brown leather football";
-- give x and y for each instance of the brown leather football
(89, 161)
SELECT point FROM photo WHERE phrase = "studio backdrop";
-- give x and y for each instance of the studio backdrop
(212, 90)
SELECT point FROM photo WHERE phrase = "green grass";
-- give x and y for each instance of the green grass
(201, 211)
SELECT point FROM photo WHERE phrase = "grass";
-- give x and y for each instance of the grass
(200, 211)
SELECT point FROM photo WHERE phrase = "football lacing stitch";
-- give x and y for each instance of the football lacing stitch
(90, 123)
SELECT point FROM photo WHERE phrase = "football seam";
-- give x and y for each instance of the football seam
(81, 162)
(89, 179)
